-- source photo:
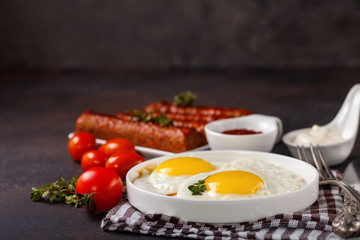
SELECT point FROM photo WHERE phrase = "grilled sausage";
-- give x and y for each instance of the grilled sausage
(166, 107)
(197, 117)
(198, 125)
(168, 138)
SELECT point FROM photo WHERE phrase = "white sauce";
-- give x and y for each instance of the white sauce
(317, 135)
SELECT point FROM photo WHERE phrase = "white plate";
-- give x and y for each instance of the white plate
(148, 153)
(228, 211)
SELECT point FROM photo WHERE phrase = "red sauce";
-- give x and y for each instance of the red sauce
(241, 131)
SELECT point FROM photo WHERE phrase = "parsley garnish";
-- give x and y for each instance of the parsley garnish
(198, 188)
(185, 99)
(141, 115)
(144, 116)
(163, 120)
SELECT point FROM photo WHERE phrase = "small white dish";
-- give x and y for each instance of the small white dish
(228, 211)
(148, 153)
(345, 123)
(270, 127)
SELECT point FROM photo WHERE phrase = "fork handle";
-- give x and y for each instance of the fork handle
(352, 192)
(347, 222)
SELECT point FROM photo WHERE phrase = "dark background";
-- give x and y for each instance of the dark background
(292, 59)
(167, 35)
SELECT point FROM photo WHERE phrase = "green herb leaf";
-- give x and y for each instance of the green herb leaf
(163, 120)
(141, 115)
(185, 99)
(64, 191)
(198, 188)
(144, 116)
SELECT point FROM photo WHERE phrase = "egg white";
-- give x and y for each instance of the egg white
(162, 183)
(276, 180)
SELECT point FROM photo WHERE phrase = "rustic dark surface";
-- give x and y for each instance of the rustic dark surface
(171, 34)
(38, 110)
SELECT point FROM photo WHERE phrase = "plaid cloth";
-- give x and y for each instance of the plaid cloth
(311, 223)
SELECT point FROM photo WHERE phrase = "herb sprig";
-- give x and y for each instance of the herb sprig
(65, 191)
(147, 116)
(163, 120)
(198, 188)
(185, 99)
(141, 115)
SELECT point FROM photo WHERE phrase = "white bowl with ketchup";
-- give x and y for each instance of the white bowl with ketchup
(254, 132)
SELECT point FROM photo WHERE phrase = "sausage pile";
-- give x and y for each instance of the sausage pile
(185, 133)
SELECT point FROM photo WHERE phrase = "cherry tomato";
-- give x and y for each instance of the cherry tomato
(117, 145)
(80, 143)
(93, 158)
(104, 183)
(121, 162)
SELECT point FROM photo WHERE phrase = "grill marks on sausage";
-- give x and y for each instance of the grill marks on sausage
(186, 133)
(168, 138)
(166, 107)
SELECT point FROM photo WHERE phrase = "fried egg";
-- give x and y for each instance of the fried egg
(233, 182)
(239, 179)
(168, 175)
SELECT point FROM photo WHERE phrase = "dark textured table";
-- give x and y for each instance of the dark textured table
(38, 110)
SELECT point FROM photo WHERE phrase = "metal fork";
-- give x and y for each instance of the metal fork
(347, 222)
(326, 175)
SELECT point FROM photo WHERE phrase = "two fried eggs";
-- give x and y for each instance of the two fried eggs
(238, 179)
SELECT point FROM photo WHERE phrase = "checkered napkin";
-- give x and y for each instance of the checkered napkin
(311, 223)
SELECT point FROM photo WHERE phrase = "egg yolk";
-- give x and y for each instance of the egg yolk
(234, 182)
(184, 166)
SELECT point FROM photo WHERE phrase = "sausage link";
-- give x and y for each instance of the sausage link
(166, 107)
(151, 135)
(198, 125)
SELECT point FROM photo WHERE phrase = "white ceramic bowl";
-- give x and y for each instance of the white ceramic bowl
(334, 153)
(345, 123)
(271, 128)
(227, 211)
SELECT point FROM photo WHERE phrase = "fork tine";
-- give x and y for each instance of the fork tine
(298, 152)
(324, 163)
(303, 156)
(301, 153)
(325, 174)
(318, 164)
